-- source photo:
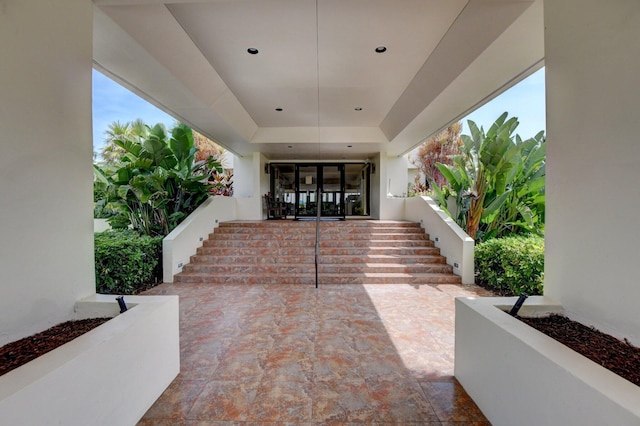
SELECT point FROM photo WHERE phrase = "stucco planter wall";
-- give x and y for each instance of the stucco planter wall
(518, 375)
(108, 376)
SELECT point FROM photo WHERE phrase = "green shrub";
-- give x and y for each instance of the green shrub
(127, 263)
(511, 265)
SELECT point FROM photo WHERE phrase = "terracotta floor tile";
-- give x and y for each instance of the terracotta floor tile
(282, 400)
(399, 401)
(176, 401)
(224, 400)
(451, 403)
(336, 367)
(290, 354)
(342, 401)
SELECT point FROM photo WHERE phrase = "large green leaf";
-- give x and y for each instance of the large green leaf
(182, 143)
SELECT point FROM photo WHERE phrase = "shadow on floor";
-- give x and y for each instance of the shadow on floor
(339, 354)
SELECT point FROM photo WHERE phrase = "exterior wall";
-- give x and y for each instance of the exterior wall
(393, 188)
(593, 111)
(243, 177)
(377, 190)
(46, 215)
(249, 184)
(183, 242)
(452, 241)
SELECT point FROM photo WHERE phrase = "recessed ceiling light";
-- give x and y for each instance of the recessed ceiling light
(252, 51)
(379, 49)
(279, 109)
(358, 108)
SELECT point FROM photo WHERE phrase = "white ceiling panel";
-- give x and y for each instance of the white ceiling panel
(317, 63)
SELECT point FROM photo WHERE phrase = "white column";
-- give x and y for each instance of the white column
(46, 198)
(592, 54)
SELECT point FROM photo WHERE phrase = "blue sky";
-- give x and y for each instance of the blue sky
(112, 102)
(525, 100)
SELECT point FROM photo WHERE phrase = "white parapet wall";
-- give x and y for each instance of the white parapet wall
(108, 376)
(101, 225)
(182, 242)
(519, 376)
(452, 241)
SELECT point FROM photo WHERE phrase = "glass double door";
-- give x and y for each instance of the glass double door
(344, 189)
(326, 180)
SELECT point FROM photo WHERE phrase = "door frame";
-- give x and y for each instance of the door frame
(295, 210)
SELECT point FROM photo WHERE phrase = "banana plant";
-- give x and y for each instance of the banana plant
(157, 181)
(497, 180)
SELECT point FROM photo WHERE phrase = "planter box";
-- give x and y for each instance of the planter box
(518, 375)
(108, 376)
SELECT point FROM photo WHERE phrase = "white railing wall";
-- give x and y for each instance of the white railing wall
(452, 241)
(182, 242)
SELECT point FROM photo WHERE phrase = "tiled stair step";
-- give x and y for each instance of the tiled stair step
(337, 242)
(305, 279)
(401, 251)
(353, 252)
(368, 223)
(238, 268)
(262, 237)
(254, 260)
(289, 224)
(384, 268)
(259, 243)
(388, 278)
(376, 236)
(382, 258)
(369, 230)
(256, 251)
(261, 230)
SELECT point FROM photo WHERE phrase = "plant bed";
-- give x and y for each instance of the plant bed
(615, 355)
(20, 352)
(519, 375)
(114, 372)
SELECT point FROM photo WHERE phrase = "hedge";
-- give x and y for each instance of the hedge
(511, 265)
(127, 263)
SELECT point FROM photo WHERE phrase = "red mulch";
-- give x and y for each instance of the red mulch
(615, 355)
(20, 352)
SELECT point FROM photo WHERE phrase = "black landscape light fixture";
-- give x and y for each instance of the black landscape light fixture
(123, 306)
(514, 311)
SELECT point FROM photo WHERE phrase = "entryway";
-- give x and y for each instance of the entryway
(344, 189)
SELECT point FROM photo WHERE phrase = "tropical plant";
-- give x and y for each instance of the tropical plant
(222, 183)
(497, 181)
(134, 131)
(208, 148)
(157, 182)
(438, 149)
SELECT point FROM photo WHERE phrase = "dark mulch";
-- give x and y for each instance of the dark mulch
(615, 355)
(20, 352)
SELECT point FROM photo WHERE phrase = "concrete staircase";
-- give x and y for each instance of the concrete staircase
(351, 252)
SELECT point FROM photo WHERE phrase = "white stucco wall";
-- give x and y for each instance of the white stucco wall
(108, 376)
(46, 208)
(376, 186)
(243, 176)
(593, 178)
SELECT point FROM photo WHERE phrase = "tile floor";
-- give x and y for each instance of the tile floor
(371, 354)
